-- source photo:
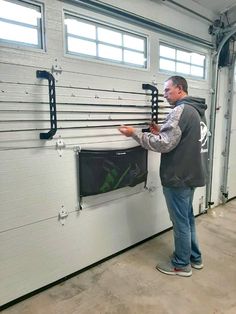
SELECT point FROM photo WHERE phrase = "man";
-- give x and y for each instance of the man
(182, 142)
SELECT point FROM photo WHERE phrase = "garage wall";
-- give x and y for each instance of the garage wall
(231, 178)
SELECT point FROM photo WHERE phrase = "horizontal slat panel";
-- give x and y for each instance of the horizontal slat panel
(71, 116)
(10, 91)
(43, 125)
(71, 137)
(76, 107)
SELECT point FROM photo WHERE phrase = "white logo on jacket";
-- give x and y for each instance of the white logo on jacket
(203, 138)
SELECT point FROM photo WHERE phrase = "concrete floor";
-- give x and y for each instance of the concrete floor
(130, 284)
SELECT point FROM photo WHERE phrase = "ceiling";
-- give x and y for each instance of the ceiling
(225, 10)
(217, 6)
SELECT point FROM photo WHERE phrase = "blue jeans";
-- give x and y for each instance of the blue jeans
(179, 203)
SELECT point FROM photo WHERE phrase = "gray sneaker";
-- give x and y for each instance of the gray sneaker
(169, 269)
(197, 265)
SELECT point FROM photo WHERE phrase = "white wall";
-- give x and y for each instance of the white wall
(231, 182)
(220, 128)
(221, 124)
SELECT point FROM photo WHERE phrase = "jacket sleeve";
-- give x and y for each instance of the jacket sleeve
(169, 136)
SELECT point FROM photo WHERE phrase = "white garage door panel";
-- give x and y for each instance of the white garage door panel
(55, 251)
(35, 184)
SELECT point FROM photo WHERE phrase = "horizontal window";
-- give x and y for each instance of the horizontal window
(21, 23)
(97, 41)
(173, 59)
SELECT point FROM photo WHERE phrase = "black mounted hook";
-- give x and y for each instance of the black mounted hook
(52, 103)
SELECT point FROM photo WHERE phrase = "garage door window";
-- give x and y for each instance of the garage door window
(21, 23)
(97, 41)
(180, 61)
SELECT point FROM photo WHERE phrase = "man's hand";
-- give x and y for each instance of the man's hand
(155, 128)
(126, 130)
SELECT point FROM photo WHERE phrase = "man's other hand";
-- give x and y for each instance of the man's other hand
(155, 128)
(126, 130)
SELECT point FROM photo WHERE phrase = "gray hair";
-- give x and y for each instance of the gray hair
(179, 81)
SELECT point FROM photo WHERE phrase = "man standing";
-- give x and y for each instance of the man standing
(182, 142)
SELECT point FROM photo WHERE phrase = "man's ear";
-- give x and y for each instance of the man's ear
(180, 87)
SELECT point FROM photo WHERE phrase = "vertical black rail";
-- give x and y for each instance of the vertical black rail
(154, 101)
(52, 103)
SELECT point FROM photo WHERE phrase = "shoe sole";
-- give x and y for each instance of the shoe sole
(197, 266)
(178, 273)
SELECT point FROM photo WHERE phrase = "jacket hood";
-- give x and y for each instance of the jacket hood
(197, 103)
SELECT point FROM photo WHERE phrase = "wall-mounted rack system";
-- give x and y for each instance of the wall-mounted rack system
(77, 108)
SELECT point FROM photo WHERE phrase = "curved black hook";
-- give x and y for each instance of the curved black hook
(52, 103)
